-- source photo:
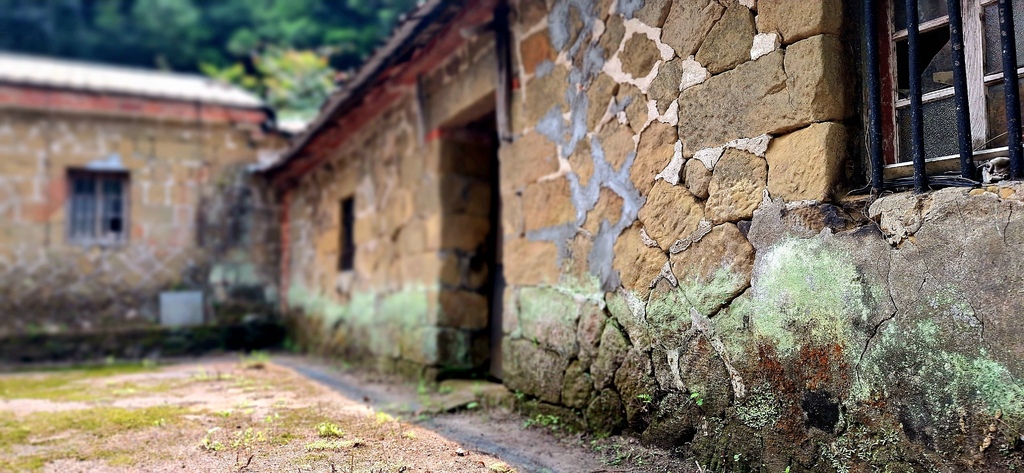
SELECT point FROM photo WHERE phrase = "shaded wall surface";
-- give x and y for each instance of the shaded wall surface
(194, 218)
(680, 259)
(419, 170)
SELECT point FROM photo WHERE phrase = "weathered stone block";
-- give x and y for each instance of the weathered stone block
(795, 20)
(609, 207)
(617, 143)
(729, 41)
(657, 146)
(718, 267)
(549, 317)
(535, 49)
(592, 322)
(610, 354)
(671, 213)
(525, 160)
(547, 204)
(462, 309)
(635, 380)
(530, 263)
(747, 101)
(578, 386)
(688, 23)
(654, 12)
(737, 187)
(533, 370)
(551, 91)
(605, 414)
(807, 164)
(638, 265)
(819, 85)
(639, 55)
(665, 88)
(697, 178)
(455, 232)
(599, 94)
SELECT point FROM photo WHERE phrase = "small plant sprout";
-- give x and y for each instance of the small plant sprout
(329, 430)
(644, 398)
(472, 405)
(210, 445)
(697, 399)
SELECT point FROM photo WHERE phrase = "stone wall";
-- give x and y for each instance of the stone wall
(196, 221)
(419, 172)
(682, 264)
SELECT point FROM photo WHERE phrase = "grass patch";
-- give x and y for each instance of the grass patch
(66, 384)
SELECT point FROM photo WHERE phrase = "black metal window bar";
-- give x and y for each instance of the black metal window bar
(915, 126)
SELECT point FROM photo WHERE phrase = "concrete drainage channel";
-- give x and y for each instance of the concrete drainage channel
(471, 434)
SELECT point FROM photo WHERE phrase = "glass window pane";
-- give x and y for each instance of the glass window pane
(940, 133)
(936, 61)
(995, 102)
(926, 10)
(993, 45)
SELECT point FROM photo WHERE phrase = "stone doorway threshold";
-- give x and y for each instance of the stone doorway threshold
(479, 416)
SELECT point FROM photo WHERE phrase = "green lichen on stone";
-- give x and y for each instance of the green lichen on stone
(548, 316)
(805, 292)
(915, 363)
(760, 409)
(376, 321)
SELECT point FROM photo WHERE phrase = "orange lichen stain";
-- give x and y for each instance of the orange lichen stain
(823, 367)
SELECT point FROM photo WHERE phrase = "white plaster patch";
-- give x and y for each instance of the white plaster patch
(764, 44)
(757, 146)
(703, 228)
(693, 74)
(709, 156)
(666, 274)
(675, 167)
(564, 169)
(647, 240)
(613, 67)
(110, 163)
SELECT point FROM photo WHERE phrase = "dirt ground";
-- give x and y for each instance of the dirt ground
(257, 414)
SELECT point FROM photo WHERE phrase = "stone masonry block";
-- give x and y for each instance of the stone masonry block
(462, 309)
(526, 160)
(728, 43)
(818, 80)
(736, 187)
(688, 23)
(637, 263)
(547, 204)
(795, 20)
(530, 262)
(671, 213)
(807, 164)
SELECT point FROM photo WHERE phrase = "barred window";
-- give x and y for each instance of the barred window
(940, 99)
(97, 207)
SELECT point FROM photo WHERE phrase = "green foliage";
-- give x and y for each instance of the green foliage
(285, 49)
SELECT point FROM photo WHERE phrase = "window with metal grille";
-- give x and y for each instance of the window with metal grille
(97, 207)
(346, 235)
(938, 98)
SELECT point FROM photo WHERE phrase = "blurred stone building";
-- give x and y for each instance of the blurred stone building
(120, 188)
(656, 216)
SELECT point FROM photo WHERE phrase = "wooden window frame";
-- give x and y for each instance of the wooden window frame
(79, 230)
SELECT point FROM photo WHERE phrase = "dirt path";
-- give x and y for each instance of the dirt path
(292, 414)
